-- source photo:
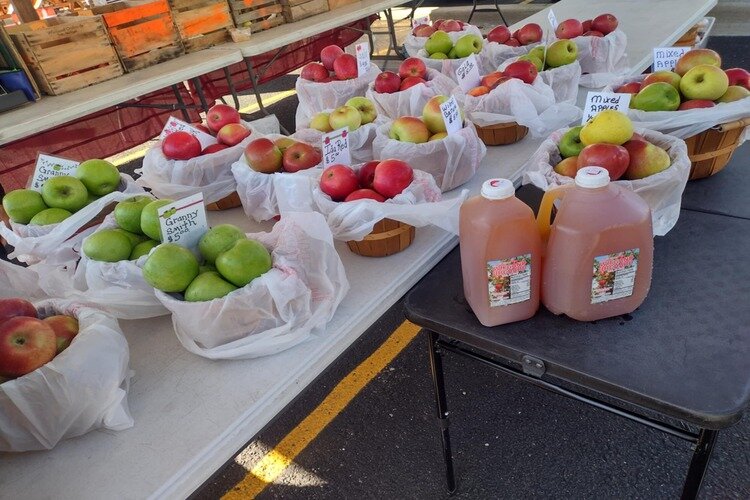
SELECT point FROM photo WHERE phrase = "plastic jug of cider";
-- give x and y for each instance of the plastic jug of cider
(600, 249)
(501, 254)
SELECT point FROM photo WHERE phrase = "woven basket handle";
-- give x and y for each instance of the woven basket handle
(725, 127)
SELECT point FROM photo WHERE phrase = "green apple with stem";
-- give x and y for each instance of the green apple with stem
(243, 262)
(570, 142)
(438, 42)
(22, 205)
(107, 245)
(467, 45)
(65, 192)
(659, 96)
(561, 52)
(128, 212)
(49, 216)
(208, 286)
(366, 108)
(704, 82)
(170, 268)
(99, 176)
(219, 239)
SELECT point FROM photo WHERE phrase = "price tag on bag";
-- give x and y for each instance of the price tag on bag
(416, 21)
(336, 148)
(363, 58)
(48, 166)
(468, 73)
(451, 115)
(552, 19)
(184, 221)
(175, 125)
(665, 58)
(597, 102)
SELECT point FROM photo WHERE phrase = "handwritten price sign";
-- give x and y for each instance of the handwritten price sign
(552, 19)
(175, 125)
(665, 58)
(184, 221)
(451, 116)
(363, 58)
(48, 166)
(468, 73)
(336, 148)
(596, 102)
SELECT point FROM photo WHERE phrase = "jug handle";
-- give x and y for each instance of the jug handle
(545, 209)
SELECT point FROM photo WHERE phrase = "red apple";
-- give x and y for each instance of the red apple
(523, 70)
(329, 54)
(345, 67)
(604, 23)
(629, 88)
(232, 134)
(338, 182)
(25, 345)
(392, 177)
(413, 66)
(593, 33)
(315, 72)
(423, 30)
(451, 25)
(438, 23)
(637, 137)
(696, 103)
(220, 115)
(530, 33)
(570, 28)
(200, 126)
(367, 174)
(586, 25)
(477, 91)
(411, 81)
(512, 42)
(614, 158)
(364, 194)
(738, 76)
(263, 156)
(65, 328)
(10, 308)
(180, 145)
(387, 82)
(498, 34)
(213, 148)
(300, 156)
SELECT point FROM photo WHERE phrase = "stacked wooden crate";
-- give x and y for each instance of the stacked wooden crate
(257, 15)
(201, 23)
(337, 4)
(295, 10)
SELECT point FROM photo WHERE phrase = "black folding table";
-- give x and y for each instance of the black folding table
(682, 358)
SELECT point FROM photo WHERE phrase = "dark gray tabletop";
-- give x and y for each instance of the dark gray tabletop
(684, 353)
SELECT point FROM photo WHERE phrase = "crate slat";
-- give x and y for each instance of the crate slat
(206, 41)
(295, 10)
(144, 37)
(135, 13)
(260, 15)
(66, 59)
(82, 80)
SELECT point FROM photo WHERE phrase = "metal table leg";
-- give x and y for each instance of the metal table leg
(232, 90)
(436, 367)
(699, 464)
(178, 96)
(201, 95)
(474, 9)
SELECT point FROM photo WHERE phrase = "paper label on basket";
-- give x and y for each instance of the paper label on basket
(451, 116)
(175, 125)
(48, 166)
(614, 276)
(509, 280)
(665, 58)
(363, 58)
(336, 148)
(184, 221)
(468, 73)
(597, 102)
(552, 19)
(416, 21)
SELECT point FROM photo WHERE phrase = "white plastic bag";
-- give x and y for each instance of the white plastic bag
(315, 97)
(451, 161)
(81, 389)
(360, 140)
(35, 243)
(413, 44)
(448, 67)
(19, 281)
(497, 53)
(562, 80)
(410, 102)
(602, 59)
(277, 310)
(532, 106)
(662, 191)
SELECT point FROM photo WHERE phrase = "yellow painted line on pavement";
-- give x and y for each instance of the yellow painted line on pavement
(273, 463)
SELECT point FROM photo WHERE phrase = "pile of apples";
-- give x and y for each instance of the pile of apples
(696, 82)
(440, 46)
(524, 70)
(411, 72)
(447, 25)
(283, 155)
(601, 25)
(608, 141)
(356, 112)
(222, 121)
(559, 53)
(27, 342)
(230, 260)
(335, 65)
(376, 180)
(430, 127)
(525, 35)
(63, 195)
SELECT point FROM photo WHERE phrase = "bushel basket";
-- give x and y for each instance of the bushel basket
(711, 150)
(388, 237)
(501, 133)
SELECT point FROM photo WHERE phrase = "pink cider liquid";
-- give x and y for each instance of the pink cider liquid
(500, 255)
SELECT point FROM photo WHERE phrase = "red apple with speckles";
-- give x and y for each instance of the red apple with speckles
(25, 345)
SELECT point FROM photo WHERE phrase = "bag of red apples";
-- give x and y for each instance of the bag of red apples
(501, 44)
(63, 372)
(419, 35)
(330, 83)
(562, 76)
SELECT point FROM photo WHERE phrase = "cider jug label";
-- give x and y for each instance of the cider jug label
(614, 276)
(509, 280)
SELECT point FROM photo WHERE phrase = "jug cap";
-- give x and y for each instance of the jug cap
(498, 189)
(592, 177)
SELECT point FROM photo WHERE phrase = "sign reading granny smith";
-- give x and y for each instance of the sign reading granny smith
(451, 116)
(183, 221)
(363, 58)
(48, 166)
(665, 58)
(336, 148)
(468, 73)
(596, 102)
(175, 125)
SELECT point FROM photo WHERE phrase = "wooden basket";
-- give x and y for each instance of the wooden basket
(201, 23)
(231, 201)
(295, 10)
(711, 150)
(143, 33)
(502, 133)
(67, 53)
(258, 15)
(387, 238)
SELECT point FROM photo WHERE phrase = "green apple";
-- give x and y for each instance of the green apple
(99, 176)
(49, 216)
(570, 143)
(143, 248)
(65, 192)
(150, 219)
(107, 245)
(206, 268)
(219, 239)
(734, 93)
(659, 96)
(561, 52)
(467, 45)
(22, 205)
(320, 122)
(451, 54)
(243, 262)
(439, 55)
(438, 42)
(534, 60)
(128, 212)
(134, 238)
(170, 268)
(366, 108)
(704, 82)
(537, 52)
(208, 286)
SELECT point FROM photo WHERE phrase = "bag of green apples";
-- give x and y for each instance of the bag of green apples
(60, 213)
(257, 293)
(453, 31)
(561, 72)
(406, 93)
(67, 390)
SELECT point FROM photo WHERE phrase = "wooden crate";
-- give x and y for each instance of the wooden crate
(143, 33)
(67, 53)
(258, 15)
(295, 10)
(337, 4)
(201, 23)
